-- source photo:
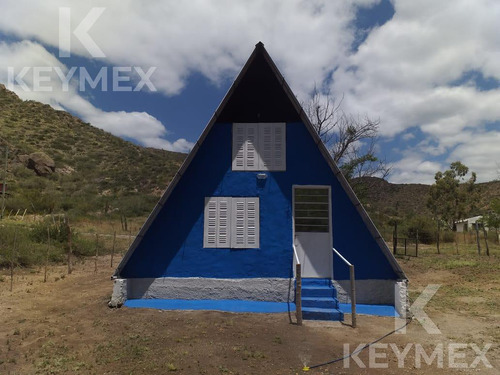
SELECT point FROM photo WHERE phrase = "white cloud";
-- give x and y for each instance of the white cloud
(307, 38)
(406, 72)
(141, 126)
(413, 168)
(480, 152)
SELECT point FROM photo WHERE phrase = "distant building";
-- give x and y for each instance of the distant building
(465, 225)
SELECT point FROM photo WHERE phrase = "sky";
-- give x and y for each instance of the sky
(153, 72)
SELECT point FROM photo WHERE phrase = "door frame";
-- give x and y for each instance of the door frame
(330, 219)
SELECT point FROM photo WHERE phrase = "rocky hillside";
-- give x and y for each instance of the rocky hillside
(58, 162)
(384, 200)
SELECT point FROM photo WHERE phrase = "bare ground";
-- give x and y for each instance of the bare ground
(64, 326)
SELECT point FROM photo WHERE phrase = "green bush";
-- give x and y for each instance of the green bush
(424, 227)
(58, 233)
(86, 246)
(30, 244)
(448, 236)
(16, 244)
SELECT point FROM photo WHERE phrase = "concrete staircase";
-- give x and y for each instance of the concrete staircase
(319, 300)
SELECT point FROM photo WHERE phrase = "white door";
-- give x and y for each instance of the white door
(313, 230)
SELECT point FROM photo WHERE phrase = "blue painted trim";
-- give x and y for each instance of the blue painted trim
(377, 310)
(215, 305)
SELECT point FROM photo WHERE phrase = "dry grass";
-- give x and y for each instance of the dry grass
(63, 326)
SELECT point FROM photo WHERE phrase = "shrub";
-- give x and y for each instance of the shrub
(424, 227)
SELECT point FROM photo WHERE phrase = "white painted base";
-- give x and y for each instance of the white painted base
(401, 300)
(254, 289)
(377, 292)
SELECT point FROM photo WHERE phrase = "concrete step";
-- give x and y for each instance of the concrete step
(318, 291)
(321, 302)
(314, 281)
(316, 313)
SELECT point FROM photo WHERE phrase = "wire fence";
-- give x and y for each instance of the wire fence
(44, 244)
(405, 246)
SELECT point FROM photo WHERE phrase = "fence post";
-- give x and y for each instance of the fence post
(129, 239)
(298, 293)
(486, 240)
(70, 249)
(477, 239)
(12, 254)
(113, 248)
(47, 255)
(4, 181)
(353, 295)
(96, 251)
(416, 245)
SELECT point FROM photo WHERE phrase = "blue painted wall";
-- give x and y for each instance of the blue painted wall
(173, 245)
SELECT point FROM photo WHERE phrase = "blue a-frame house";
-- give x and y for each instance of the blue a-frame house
(257, 182)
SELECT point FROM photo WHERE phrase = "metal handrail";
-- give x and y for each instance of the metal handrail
(298, 287)
(353, 286)
(296, 255)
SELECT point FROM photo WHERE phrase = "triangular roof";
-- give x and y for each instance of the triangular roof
(264, 107)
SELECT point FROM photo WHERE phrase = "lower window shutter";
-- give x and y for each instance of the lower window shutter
(224, 221)
(210, 232)
(231, 222)
(238, 232)
(252, 222)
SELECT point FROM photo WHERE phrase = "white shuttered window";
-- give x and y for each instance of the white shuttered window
(231, 222)
(259, 147)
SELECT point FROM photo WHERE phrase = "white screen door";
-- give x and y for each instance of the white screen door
(313, 230)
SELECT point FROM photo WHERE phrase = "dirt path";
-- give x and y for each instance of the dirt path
(65, 327)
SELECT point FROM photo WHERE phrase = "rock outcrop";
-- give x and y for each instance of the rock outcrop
(40, 162)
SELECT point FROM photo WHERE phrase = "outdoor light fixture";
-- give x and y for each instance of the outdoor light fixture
(261, 176)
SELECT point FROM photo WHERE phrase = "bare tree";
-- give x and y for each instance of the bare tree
(350, 140)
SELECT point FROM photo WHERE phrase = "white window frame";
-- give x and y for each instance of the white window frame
(231, 222)
(259, 146)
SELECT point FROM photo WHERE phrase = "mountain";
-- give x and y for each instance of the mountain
(58, 162)
(384, 200)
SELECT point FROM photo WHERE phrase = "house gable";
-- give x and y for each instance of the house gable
(171, 242)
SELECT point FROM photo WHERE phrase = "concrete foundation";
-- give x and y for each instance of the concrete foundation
(255, 289)
(370, 292)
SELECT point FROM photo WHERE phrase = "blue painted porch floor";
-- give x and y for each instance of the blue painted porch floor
(248, 306)
(377, 310)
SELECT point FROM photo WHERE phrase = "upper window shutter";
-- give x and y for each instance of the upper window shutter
(251, 148)
(272, 143)
(279, 140)
(266, 146)
(239, 138)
